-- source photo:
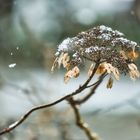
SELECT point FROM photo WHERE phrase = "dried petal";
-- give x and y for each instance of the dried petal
(109, 69)
(65, 60)
(60, 59)
(101, 69)
(68, 76)
(132, 55)
(68, 66)
(132, 67)
(134, 73)
(54, 64)
(90, 70)
(75, 72)
(71, 73)
(110, 83)
(116, 73)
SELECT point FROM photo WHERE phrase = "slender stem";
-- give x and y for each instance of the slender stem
(80, 123)
(91, 85)
(26, 115)
(93, 89)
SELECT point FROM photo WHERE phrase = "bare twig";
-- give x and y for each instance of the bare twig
(93, 89)
(101, 77)
(80, 123)
(26, 115)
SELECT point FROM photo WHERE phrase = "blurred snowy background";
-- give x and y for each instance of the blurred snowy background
(30, 31)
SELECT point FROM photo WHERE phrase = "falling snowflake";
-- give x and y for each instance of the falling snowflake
(12, 65)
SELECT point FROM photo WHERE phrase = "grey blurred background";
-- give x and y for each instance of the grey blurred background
(30, 31)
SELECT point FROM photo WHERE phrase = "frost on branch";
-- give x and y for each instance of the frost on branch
(115, 53)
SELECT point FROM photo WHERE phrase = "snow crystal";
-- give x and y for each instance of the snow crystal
(105, 37)
(12, 65)
(82, 41)
(57, 54)
(88, 50)
(105, 29)
(124, 41)
(91, 49)
(102, 27)
(118, 33)
(74, 55)
(108, 29)
(133, 43)
(11, 53)
(65, 45)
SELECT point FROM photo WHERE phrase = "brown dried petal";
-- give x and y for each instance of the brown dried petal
(134, 73)
(109, 68)
(110, 83)
(90, 70)
(132, 67)
(75, 72)
(101, 69)
(116, 73)
(132, 55)
(68, 76)
(54, 64)
(60, 59)
(65, 60)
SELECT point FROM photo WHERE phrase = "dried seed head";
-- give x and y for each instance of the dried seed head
(102, 45)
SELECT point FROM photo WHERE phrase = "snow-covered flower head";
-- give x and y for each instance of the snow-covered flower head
(103, 45)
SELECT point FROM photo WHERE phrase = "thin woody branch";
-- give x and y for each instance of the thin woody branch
(26, 115)
(80, 123)
(100, 79)
(92, 91)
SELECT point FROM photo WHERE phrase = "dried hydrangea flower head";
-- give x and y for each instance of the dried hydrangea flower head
(102, 45)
